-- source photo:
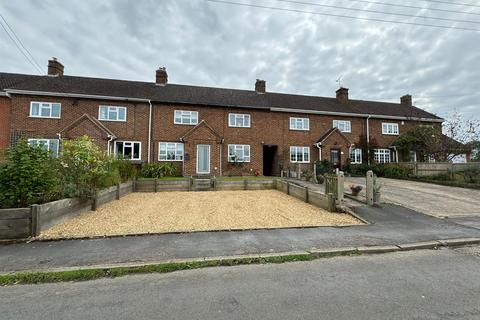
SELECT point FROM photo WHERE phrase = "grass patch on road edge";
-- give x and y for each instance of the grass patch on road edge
(91, 274)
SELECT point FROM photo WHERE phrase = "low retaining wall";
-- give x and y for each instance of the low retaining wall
(157, 185)
(25, 222)
(317, 199)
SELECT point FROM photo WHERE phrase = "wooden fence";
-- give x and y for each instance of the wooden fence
(434, 168)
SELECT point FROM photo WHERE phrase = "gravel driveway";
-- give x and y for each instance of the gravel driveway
(436, 200)
(197, 211)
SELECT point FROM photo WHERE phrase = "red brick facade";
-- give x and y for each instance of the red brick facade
(267, 128)
(5, 112)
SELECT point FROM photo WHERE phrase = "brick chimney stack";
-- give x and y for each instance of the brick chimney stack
(406, 100)
(260, 86)
(55, 68)
(161, 76)
(342, 95)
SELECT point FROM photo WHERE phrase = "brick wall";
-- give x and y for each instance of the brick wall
(5, 111)
(267, 128)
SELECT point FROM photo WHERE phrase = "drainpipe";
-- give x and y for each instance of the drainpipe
(59, 140)
(110, 139)
(368, 140)
(149, 130)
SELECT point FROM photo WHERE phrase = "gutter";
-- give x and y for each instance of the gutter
(360, 115)
(73, 95)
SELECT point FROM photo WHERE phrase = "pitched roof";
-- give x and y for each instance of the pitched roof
(186, 94)
(95, 122)
(327, 134)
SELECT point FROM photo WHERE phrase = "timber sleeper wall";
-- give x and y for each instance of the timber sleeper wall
(158, 185)
(21, 223)
(317, 199)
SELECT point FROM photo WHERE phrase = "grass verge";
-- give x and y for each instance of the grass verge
(96, 273)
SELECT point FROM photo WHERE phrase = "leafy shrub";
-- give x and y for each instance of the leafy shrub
(126, 169)
(29, 175)
(323, 167)
(470, 175)
(388, 170)
(85, 168)
(159, 170)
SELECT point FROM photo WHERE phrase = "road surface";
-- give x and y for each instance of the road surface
(427, 284)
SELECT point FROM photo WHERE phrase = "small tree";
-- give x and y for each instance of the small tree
(29, 175)
(86, 168)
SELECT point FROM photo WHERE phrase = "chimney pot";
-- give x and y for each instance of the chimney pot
(55, 68)
(342, 94)
(260, 86)
(406, 100)
(161, 76)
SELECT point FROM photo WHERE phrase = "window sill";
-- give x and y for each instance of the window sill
(39, 117)
(107, 120)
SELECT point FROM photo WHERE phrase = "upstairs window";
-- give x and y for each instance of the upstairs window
(112, 113)
(45, 110)
(343, 125)
(238, 153)
(47, 144)
(170, 151)
(239, 120)
(356, 156)
(382, 155)
(299, 124)
(390, 128)
(186, 117)
(129, 150)
(300, 154)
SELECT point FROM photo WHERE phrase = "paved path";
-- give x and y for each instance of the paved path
(432, 199)
(390, 225)
(426, 284)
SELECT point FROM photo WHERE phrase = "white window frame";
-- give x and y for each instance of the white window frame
(356, 156)
(241, 117)
(294, 150)
(175, 145)
(111, 109)
(382, 155)
(132, 145)
(346, 124)
(388, 128)
(188, 114)
(301, 124)
(46, 142)
(241, 147)
(45, 105)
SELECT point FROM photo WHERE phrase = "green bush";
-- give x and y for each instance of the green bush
(29, 175)
(85, 167)
(387, 170)
(159, 170)
(323, 167)
(470, 175)
(126, 169)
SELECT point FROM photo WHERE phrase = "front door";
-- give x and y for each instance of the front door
(335, 158)
(203, 159)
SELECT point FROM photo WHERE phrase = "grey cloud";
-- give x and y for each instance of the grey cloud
(210, 44)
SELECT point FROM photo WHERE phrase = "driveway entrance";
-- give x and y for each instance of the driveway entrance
(435, 200)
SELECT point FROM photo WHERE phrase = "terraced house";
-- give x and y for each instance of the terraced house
(206, 131)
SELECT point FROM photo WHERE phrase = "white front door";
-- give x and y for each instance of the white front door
(203, 158)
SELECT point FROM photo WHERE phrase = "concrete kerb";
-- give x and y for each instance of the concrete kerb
(313, 253)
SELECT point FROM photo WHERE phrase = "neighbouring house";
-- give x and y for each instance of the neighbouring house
(204, 130)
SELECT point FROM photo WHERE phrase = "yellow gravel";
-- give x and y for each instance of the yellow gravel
(197, 211)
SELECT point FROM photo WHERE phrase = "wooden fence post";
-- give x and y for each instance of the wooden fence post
(156, 185)
(134, 184)
(288, 187)
(331, 202)
(35, 226)
(95, 200)
(306, 194)
(117, 196)
(340, 187)
(369, 189)
(245, 184)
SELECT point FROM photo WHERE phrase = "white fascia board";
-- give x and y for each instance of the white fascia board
(358, 115)
(72, 95)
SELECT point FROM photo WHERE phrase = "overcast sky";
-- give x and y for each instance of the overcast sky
(214, 44)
